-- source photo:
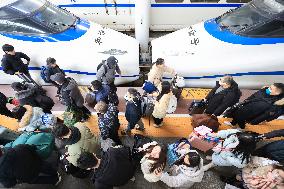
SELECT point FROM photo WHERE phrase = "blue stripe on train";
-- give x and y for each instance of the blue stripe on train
(155, 5)
(270, 73)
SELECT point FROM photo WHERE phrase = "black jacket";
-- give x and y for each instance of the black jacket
(133, 112)
(275, 133)
(51, 71)
(3, 109)
(116, 168)
(19, 164)
(12, 64)
(218, 103)
(259, 107)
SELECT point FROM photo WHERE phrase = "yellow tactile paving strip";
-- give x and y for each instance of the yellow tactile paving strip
(173, 126)
(194, 93)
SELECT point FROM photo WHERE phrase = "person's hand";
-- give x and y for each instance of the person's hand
(158, 172)
(17, 73)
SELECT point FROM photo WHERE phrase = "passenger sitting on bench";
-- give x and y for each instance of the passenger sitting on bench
(264, 105)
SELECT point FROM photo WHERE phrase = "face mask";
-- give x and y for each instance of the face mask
(268, 91)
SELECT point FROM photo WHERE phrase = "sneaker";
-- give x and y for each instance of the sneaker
(59, 179)
(158, 126)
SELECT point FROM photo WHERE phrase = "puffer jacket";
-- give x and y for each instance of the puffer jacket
(88, 143)
(71, 93)
(161, 106)
(107, 76)
(156, 74)
(34, 118)
(223, 155)
(183, 176)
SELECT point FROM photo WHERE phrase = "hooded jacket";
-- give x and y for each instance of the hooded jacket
(71, 93)
(34, 118)
(223, 155)
(88, 143)
(156, 74)
(106, 73)
(51, 71)
(101, 94)
(183, 176)
(133, 112)
(217, 103)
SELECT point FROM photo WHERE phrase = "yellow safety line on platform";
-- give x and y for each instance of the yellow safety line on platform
(173, 126)
(194, 93)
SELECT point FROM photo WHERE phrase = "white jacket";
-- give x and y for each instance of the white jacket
(146, 165)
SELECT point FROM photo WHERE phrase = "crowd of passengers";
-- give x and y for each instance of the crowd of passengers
(47, 146)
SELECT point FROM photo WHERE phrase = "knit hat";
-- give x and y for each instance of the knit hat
(50, 60)
(18, 112)
(111, 61)
(17, 86)
(7, 47)
(59, 77)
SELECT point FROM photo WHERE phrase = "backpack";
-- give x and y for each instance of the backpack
(102, 66)
(43, 70)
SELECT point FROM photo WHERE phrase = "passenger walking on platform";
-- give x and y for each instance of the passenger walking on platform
(12, 63)
(106, 72)
(162, 104)
(187, 171)
(71, 96)
(133, 112)
(76, 140)
(153, 161)
(3, 108)
(22, 164)
(108, 121)
(225, 94)
(264, 105)
(115, 167)
(234, 149)
(50, 69)
(99, 92)
(29, 94)
(157, 71)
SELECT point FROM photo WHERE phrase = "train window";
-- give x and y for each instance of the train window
(169, 1)
(27, 6)
(274, 28)
(22, 26)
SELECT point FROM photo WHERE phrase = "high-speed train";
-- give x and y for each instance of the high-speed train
(165, 15)
(41, 30)
(247, 43)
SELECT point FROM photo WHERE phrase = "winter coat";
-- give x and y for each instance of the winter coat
(116, 168)
(71, 93)
(102, 94)
(13, 63)
(3, 109)
(108, 122)
(19, 164)
(273, 151)
(146, 165)
(260, 174)
(34, 118)
(107, 76)
(87, 143)
(223, 155)
(260, 107)
(133, 112)
(51, 71)
(217, 103)
(183, 176)
(44, 142)
(155, 75)
(161, 106)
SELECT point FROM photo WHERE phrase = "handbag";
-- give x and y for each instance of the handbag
(197, 107)
(149, 87)
(206, 120)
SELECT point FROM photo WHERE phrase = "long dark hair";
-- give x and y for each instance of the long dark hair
(166, 88)
(158, 162)
(247, 145)
(194, 160)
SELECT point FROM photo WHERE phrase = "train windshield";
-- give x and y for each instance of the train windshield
(251, 15)
(34, 17)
